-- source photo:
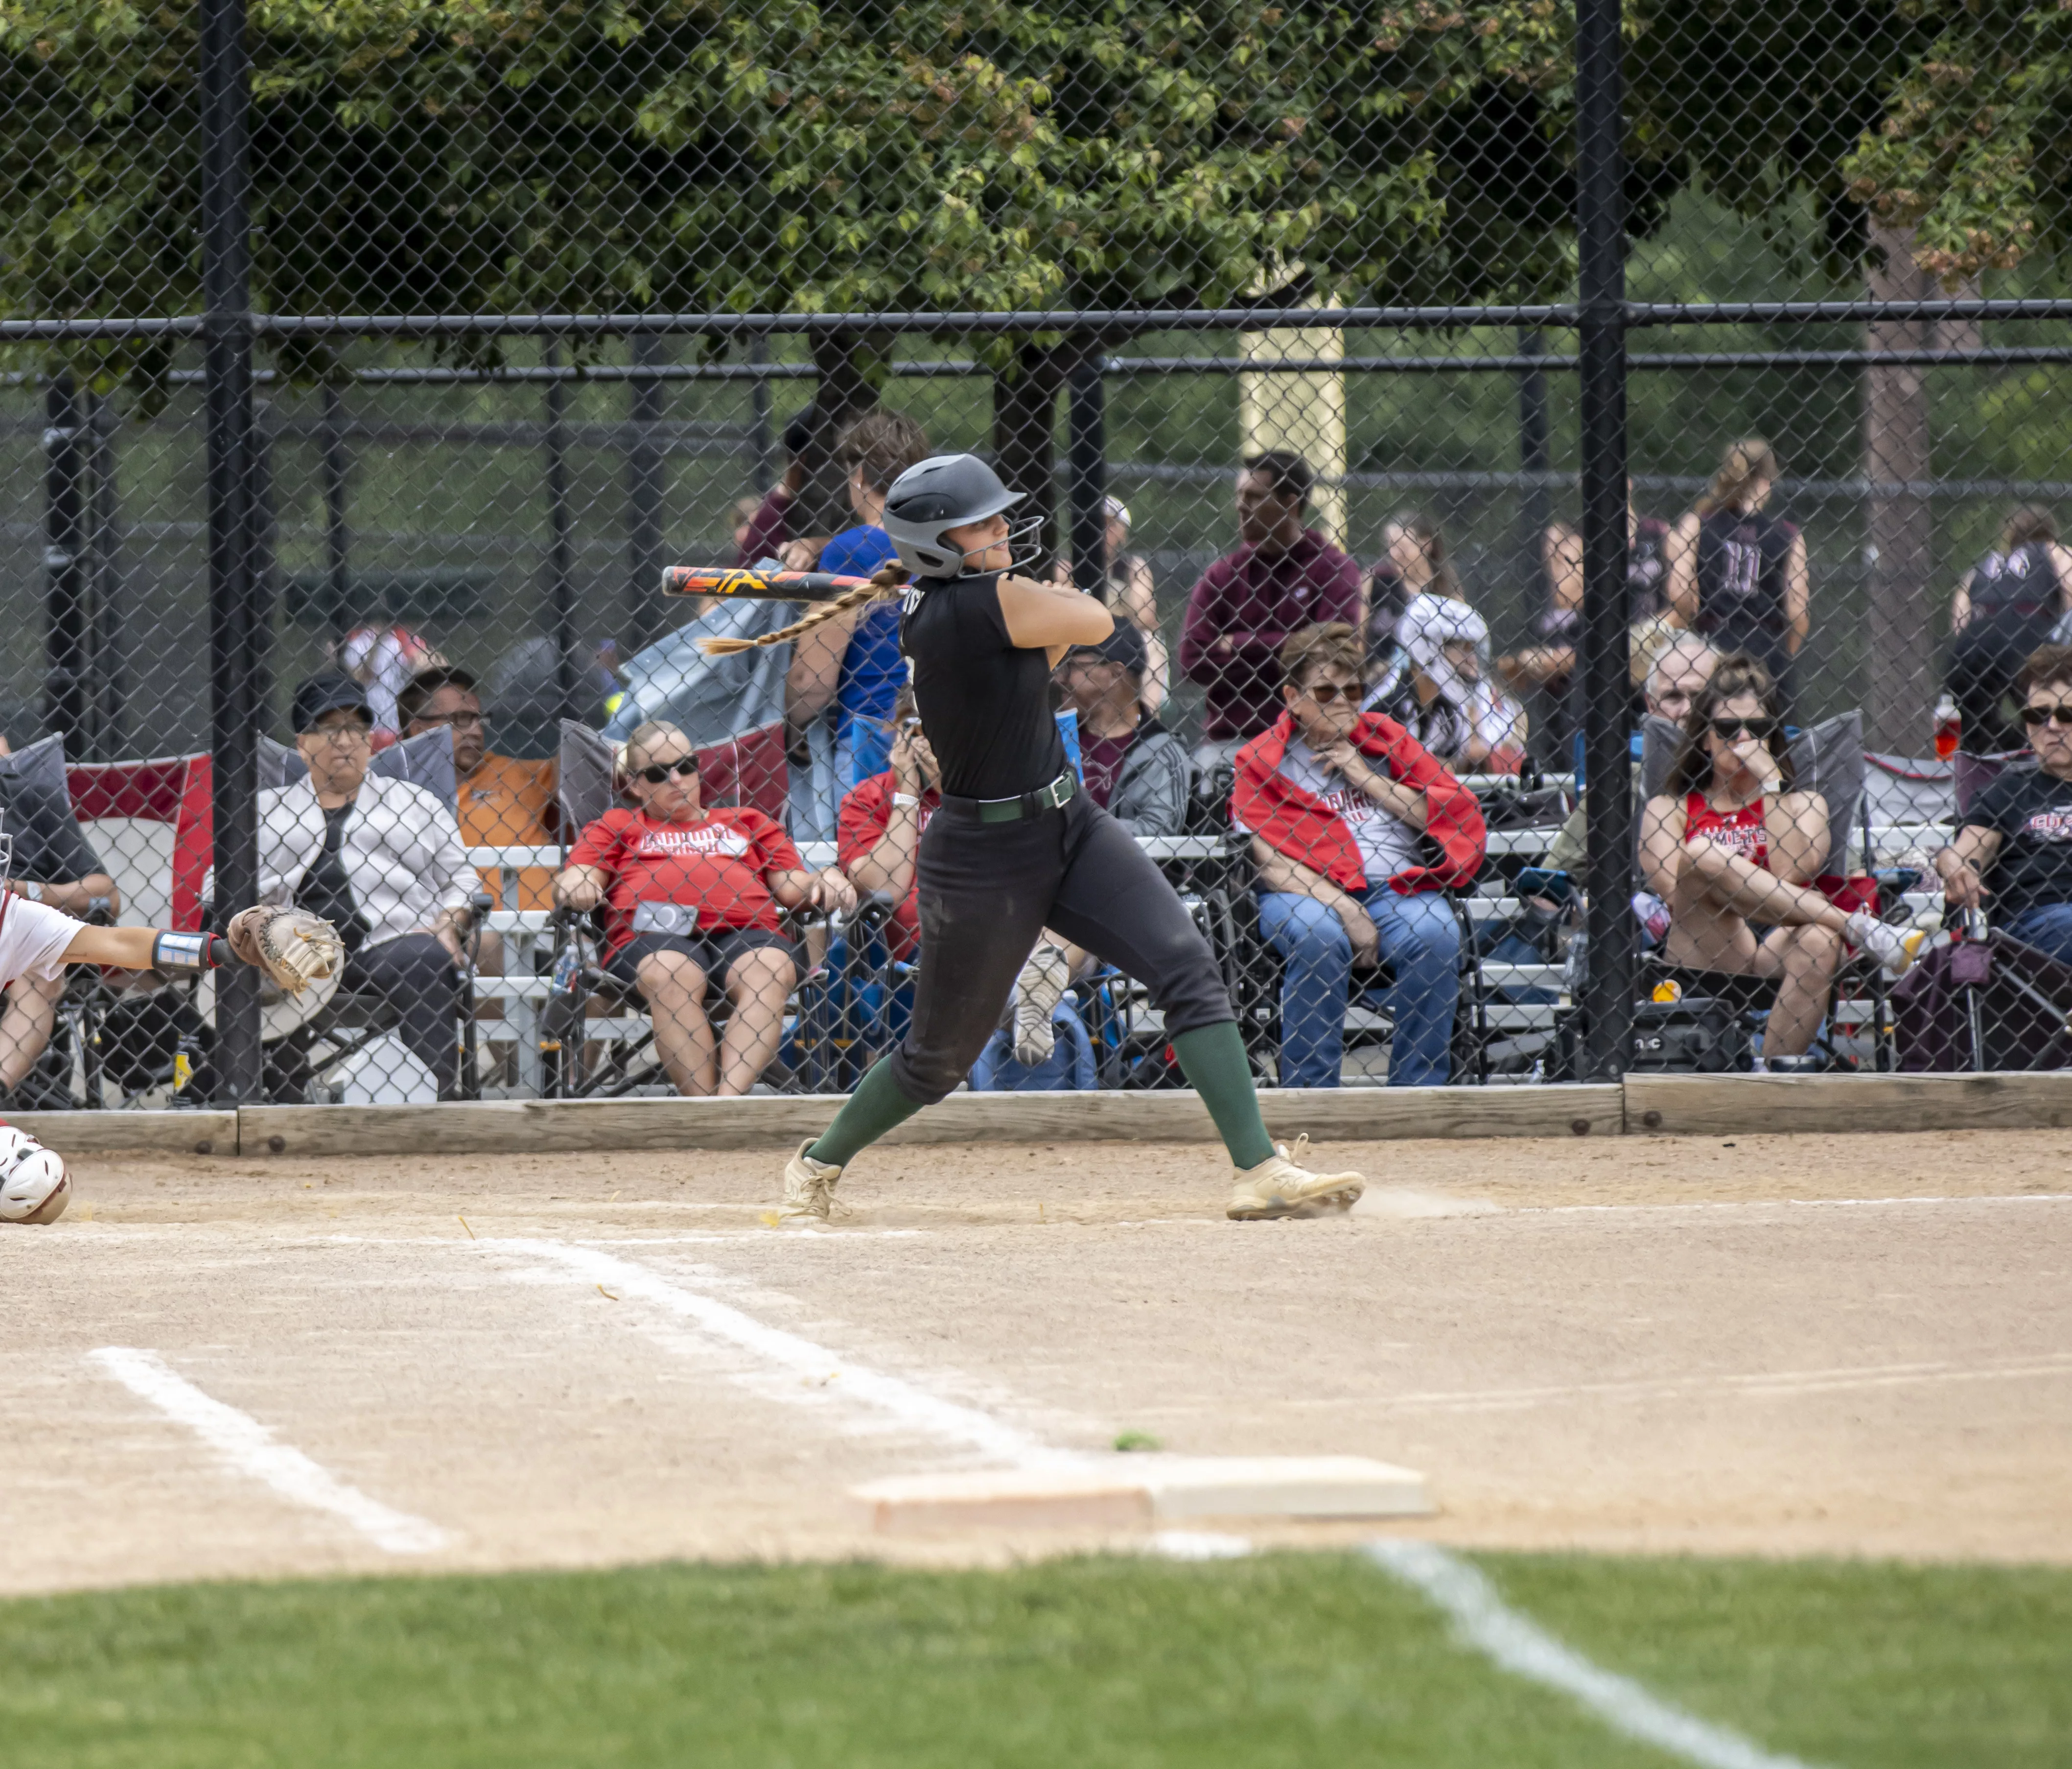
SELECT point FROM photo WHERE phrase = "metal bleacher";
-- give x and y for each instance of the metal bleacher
(522, 993)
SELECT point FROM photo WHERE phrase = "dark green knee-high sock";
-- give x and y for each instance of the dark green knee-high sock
(865, 1116)
(1213, 1059)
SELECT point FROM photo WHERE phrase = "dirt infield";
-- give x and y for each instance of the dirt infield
(1766, 1344)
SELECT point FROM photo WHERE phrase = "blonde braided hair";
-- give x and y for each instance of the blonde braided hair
(886, 581)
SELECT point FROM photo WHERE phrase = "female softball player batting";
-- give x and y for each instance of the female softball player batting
(1017, 847)
(295, 948)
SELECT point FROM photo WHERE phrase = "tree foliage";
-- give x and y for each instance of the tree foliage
(817, 155)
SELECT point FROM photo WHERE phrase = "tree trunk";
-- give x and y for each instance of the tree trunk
(841, 396)
(1901, 524)
(1025, 430)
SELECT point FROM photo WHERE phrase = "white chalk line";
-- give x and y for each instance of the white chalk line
(1770, 1385)
(1786, 1203)
(903, 1403)
(1516, 1644)
(250, 1448)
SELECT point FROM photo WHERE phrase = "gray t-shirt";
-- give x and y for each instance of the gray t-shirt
(1386, 845)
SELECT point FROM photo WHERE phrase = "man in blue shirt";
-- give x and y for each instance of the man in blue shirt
(854, 660)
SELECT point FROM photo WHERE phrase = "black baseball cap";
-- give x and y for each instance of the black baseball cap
(326, 693)
(1125, 646)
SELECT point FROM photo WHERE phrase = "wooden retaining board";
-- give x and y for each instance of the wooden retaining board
(131, 1133)
(782, 1122)
(1814, 1105)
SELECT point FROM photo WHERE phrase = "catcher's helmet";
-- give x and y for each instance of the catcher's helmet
(942, 492)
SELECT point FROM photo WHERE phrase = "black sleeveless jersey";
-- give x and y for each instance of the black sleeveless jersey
(2023, 582)
(1742, 560)
(984, 702)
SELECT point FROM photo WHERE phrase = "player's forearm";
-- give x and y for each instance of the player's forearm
(146, 949)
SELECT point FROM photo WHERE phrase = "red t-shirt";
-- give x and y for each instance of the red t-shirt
(1743, 832)
(717, 865)
(866, 814)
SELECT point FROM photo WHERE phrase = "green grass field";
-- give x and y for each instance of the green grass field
(1282, 1660)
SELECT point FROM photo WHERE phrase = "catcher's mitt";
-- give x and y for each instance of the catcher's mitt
(293, 947)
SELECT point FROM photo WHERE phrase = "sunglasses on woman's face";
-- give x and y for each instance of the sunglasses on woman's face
(660, 772)
(1730, 730)
(1330, 693)
(2059, 714)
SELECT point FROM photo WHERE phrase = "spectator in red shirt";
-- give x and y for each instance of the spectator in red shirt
(1283, 577)
(881, 821)
(691, 897)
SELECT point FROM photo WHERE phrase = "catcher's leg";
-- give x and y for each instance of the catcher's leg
(25, 1027)
(34, 1185)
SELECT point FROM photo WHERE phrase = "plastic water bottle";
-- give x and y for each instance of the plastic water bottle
(568, 969)
(1578, 965)
(1949, 727)
(1652, 913)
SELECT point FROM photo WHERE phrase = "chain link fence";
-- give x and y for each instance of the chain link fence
(1578, 494)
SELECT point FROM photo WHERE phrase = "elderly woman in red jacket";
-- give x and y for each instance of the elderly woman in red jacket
(1357, 832)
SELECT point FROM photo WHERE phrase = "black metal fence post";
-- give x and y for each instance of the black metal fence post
(111, 686)
(1534, 505)
(1607, 1004)
(645, 467)
(65, 567)
(227, 301)
(338, 532)
(764, 442)
(1086, 464)
(561, 543)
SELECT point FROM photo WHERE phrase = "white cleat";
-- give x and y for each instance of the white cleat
(809, 1187)
(1283, 1186)
(1892, 947)
(1038, 990)
(34, 1185)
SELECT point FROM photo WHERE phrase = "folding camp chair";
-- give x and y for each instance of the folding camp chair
(596, 1037)
(310, 1040)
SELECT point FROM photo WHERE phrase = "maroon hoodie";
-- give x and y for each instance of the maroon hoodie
(1256, 602)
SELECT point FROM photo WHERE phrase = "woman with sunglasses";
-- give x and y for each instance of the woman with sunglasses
(1018, 845)
(1732, 850)
(691, 896)
(2019, 830)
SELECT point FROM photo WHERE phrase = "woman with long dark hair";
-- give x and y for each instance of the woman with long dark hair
(1733, 847)
(1738, 573)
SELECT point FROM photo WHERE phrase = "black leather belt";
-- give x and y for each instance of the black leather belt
(1059, 792)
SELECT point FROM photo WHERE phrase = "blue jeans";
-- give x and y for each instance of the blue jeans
(2047, 927)
(1421, 942)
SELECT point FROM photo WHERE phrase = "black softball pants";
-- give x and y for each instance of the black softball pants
(987, 890)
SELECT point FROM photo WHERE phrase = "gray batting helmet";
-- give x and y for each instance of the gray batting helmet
(942, 492)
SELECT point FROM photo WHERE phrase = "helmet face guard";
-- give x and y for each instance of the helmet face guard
(949, 492)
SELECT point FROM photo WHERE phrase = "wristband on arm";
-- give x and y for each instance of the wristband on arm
(189, 954)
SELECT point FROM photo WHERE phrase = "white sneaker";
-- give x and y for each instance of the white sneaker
(1283, 1186)
(1038, 990)
(809, 1187)
(34, 1185)
(1890, 946)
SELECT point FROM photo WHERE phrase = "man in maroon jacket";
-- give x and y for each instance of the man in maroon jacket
(1283, 577)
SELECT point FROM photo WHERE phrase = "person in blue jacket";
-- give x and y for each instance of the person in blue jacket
(853, 660)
